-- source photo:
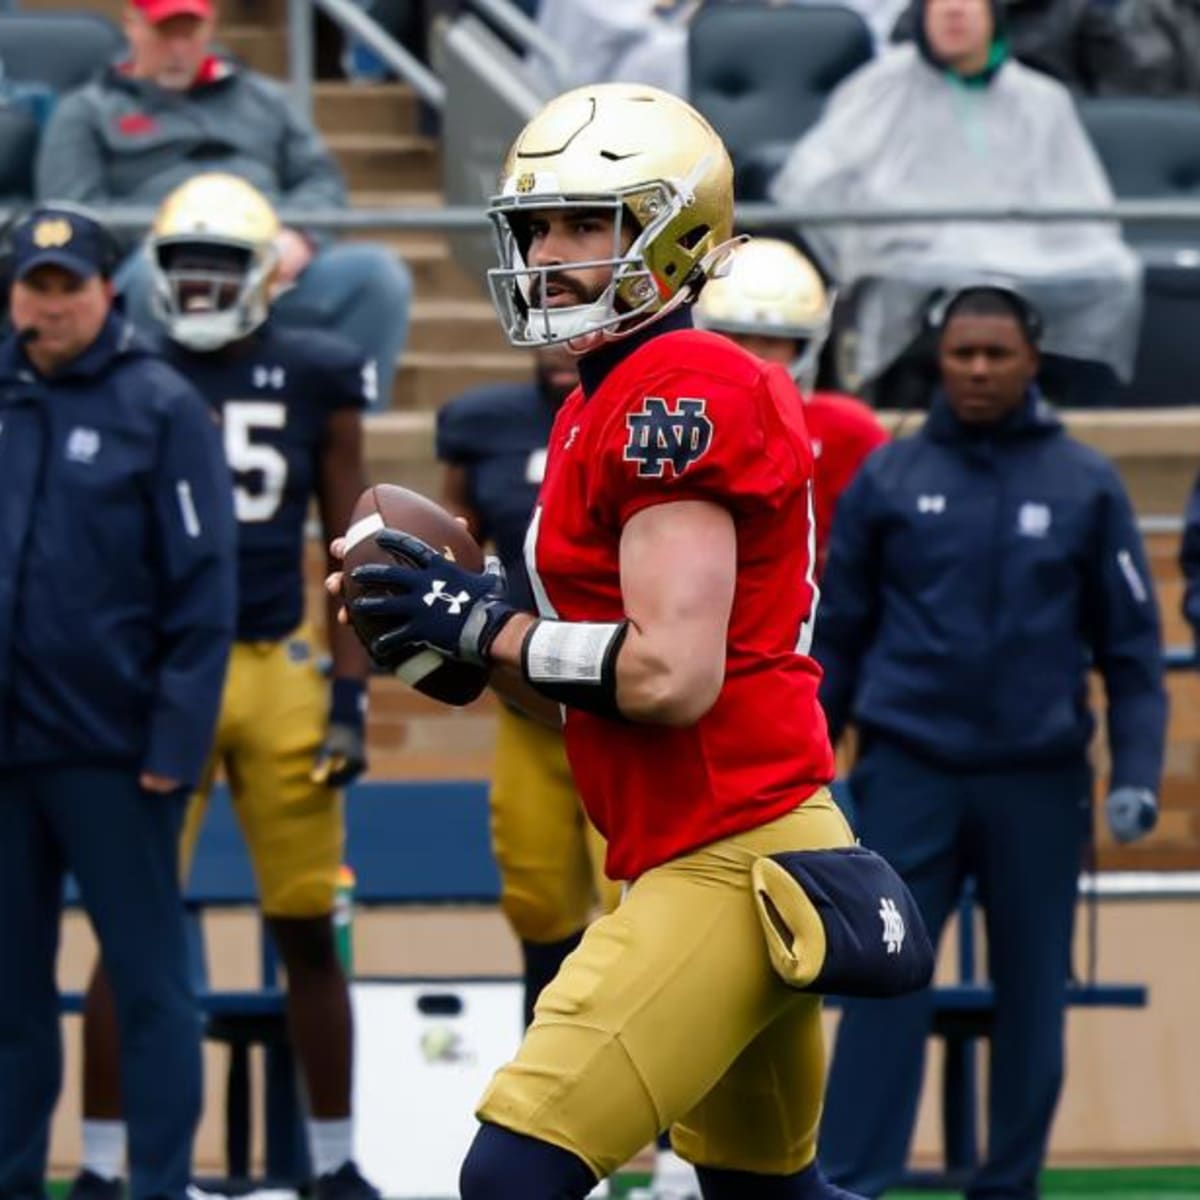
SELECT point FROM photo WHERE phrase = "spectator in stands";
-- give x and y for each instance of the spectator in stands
(1189, 560)
(953, 120)
(977, 570)
(1075, 41)
(176, 108)
(117, 572)
(1162, 39)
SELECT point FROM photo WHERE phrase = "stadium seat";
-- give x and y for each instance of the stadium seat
(1151, 150)
(761, 73)
(18, 145)
(60, 49)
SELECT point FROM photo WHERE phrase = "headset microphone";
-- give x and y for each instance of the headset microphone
(29, 335)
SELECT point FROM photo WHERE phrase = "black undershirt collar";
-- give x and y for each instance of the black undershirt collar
(596, 366)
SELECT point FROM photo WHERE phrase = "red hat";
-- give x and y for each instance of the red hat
(160, 10)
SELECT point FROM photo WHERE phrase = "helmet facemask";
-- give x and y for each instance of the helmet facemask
(209, 294)
(648, 279)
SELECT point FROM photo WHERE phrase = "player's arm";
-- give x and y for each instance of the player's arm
(1121, 616)
(678, 568)
(341, 481)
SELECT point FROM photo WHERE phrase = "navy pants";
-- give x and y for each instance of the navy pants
(1021, 833)
(121, 845)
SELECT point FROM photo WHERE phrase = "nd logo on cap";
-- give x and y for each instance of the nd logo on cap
(52, 232)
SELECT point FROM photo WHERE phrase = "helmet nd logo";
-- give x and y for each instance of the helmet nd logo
(525, 183)
(53, 231)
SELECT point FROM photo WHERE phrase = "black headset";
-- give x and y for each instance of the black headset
(1027, 315)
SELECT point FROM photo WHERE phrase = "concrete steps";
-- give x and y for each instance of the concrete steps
(377, 160)
(382, 108)
(446, 326)
(428, 378)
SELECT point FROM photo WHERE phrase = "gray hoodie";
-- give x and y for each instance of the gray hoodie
(119, 140)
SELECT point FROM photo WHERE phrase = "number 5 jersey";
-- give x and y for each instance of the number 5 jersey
(272, 394)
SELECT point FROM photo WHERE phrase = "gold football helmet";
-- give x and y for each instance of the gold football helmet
(769, 289)
(213, 260)
(650, 159)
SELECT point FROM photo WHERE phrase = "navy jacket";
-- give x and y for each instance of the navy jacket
(973, 579)
(1189, 560)
(117, 553)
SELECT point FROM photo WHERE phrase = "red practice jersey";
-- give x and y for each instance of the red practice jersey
(843, 431)
(690, 416)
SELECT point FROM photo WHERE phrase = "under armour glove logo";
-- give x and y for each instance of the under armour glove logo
(472, 611)
(438, 592)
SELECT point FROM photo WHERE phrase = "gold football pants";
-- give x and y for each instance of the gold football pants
(550, 858)
(274, 714)
(669, 1014)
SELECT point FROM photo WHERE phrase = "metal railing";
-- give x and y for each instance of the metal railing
(514, 24)
(453, 218)
(357, 23)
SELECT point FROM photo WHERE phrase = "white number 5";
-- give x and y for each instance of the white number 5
(242, 419)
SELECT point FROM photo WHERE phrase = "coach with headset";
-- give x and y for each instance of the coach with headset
(977, 571)
(116, 615)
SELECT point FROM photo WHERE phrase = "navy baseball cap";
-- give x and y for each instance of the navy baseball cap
(59, 236)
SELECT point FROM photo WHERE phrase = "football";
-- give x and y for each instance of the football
(387, 506)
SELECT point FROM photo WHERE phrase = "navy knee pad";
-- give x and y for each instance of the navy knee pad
(808, 1184)
(502, 1165)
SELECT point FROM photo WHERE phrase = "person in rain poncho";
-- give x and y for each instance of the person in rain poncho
(953, 121)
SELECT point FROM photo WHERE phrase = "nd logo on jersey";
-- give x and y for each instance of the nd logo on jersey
(659, 435)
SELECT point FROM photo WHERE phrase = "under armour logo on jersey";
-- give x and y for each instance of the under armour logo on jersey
(893, 925)
(83, 445)
(931, 504)
(572, 434)
(659, 435)
(269, 377)
(438, 592)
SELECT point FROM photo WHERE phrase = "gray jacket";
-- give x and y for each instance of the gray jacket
(127, 141)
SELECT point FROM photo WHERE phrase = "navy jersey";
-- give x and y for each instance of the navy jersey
(499, 435)
(274, 393)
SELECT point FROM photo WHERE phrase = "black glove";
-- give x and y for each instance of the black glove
(1132, 812)
(343, 755)
(434, 603)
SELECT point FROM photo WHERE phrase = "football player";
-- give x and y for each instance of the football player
(773, 302)
(289, 403)
(493, 443)
(671, 557)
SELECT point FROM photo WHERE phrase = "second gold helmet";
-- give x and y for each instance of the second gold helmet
(769, 289)
(213, 260)
(647, 157)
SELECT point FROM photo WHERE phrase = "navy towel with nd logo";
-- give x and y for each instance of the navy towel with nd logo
(842, 923)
